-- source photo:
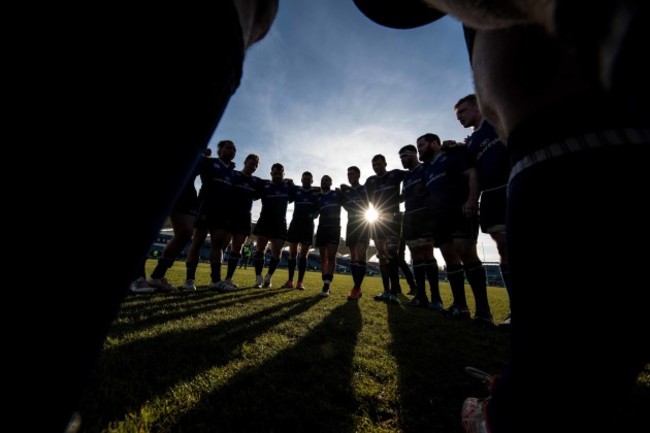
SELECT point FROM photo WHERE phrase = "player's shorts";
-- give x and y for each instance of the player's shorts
(356, 233)
(450, 224)
(386, 227)
(240, 223)
(417, 225)
(328, 235)
(492, 213)
(211, 216)
(301, 232)
(271, 229)
(187, 203)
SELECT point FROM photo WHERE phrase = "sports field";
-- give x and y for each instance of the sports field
(278, 360)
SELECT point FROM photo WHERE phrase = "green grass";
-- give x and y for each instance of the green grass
(284, 360)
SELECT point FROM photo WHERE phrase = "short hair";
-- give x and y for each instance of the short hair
(429, 138)
(409, 148)
(278, 165)
(326, 177)
(207, 151)
(379, 157)
(355, 169)
(308, 173)
(222, 143)
(252, 156)
(471, 98)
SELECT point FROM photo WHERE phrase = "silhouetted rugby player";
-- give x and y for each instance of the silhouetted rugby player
(301, 228)
(357, 236)
(271, 226)
(328, 233)
(493, 167)
(246, 189)
(383, 190)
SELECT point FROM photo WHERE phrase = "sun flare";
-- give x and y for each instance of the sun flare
(371, 215)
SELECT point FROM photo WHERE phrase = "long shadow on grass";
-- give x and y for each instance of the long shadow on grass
(306, 388)
(137, 317)
(142, 302)
(129, 374)
(432, 352)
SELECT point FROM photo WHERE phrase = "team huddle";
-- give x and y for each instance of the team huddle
(561, 82)
(440, 187)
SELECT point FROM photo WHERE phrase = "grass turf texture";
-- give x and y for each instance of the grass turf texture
(277, 360)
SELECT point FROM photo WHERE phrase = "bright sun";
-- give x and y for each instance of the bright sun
(371, 215)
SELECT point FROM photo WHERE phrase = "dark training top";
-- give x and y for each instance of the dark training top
(305, 202)
(383, 191)
(275, 200)
(414, 190)
(216, 180)
(246, 189)
(355, 202)
(490, 155)
(330, 208)
(447, 186)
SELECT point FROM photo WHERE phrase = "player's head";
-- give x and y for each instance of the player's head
(409, 156)
(467, 111)
(306, 179)
(354, 174)
(277, 172)
(326, 182)
(379, 164)
(251, 163)
(425, 145)
(226, 150)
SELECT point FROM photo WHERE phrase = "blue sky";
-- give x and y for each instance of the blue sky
(327, 88)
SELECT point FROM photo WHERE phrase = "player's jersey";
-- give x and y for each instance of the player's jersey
(446, 184)
(329, 204)
(491, 157)
(216, 180)
(246, 189)
(275, 200)
(305, 202)
(414, 190)
(383, 191)
(355, 202)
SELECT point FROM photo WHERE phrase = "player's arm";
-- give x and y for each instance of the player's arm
(470, 207)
